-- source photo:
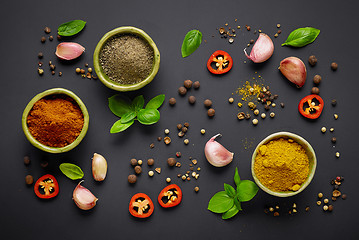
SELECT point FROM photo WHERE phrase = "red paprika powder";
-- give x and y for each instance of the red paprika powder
(55, 120)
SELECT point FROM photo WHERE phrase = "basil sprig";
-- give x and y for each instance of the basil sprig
(129, 111)
(228, 202)
(191, 42)
(71, 28)
(301, 37)
(71, 171)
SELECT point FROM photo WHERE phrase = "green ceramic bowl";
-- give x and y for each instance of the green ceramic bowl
(41, 146)
(117, 86)
(311, 156)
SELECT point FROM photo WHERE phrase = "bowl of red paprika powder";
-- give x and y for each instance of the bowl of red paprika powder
(55, 120)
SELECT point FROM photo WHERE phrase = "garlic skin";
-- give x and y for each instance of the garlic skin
(69, 50)
(294, 70)
(83, 198)
(262, 50)
(99, 167)
(216, 154)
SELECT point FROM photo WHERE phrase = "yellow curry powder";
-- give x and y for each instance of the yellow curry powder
(281, 165)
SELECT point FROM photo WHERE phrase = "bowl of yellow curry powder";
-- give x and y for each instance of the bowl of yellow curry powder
(283, 164)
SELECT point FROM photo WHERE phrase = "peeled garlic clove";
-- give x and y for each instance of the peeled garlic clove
(262, 49)
(294, 70)
(216, 154)
(83, 198)
(99, 167)
(69, 50)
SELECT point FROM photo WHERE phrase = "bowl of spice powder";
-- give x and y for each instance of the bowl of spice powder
(55, 120)
(283, 164)
(126, 59)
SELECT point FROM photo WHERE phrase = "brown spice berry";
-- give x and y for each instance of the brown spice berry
(334, 139)
(172, 101)
(171, 162)
(186, 124)
(312, 60)
(138, 169)
(315, 90)
(334, 66)
(184, 129)
(344, 196)
(59, 37)
(330, 208)
(47, 30)
(187, 84)
(43, 39)
(132, 178)
(334, 102)
(211, 112)
(207, 103)
(317, 79)
(196, 189)
(29, 179)
(27, 160)
(40, 55)
(196, 85)
(152, 145)
(150, 161)
(179, 126)
(192, 99)
(133, 162)
(182, 91)
(251, 41)
(51, 38)
(159, 139)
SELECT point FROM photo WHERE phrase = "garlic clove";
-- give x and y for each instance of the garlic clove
(83, 198)
(99, 167)
(216, 154)
(294, 70)
(262, 50)
(69, 50)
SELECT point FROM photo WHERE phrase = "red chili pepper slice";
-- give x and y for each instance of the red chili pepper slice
(222, 61)
(311, 106)
(141, 206)
(170, 196)
(46, 187)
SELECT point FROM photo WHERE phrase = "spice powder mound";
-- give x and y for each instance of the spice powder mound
(55, 121)
(127, 59)
(282, 165)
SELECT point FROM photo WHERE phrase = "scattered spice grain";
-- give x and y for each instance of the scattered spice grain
(27, 160)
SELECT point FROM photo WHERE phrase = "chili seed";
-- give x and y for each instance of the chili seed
(196, 85)
(133, 162)
(172, 101)
(211, 112)
(29, 179)
(43, 39)
(315, 90)
(182, 91)
(139, 162)
(326, 200)
(231, 40)
(132, 178)
(312, 60)
(187, 84)
(207, 103)
(186, 124)
(317, 79)
(196, 189)
(27, 160)
(138, 169)
(276, 35)
(319, 203)
(241, 115)
(272, 114)
(171, 162)
(334, 66)
(203, 131)
(192, 99)
(151, 173)
(52, 67)
(150, 162)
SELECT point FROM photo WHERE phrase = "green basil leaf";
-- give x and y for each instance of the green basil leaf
(120, 127)
(71, 171)
(138, 102)
(230, 213)
(128, 117)
(156, 102)
(71, 28)
(148, 116)
(191, 42)
(237, 203)
(220, 202)
(246, 190)
(301, 37)
(119, 105)
(229, 190)
(237, 179)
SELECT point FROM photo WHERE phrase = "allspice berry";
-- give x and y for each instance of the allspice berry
(187, 84)
(315, 90)
(138, 169)
(171, 162)
(334, 66)
(211, 112)
(29, 179)
(150, 162)
(196, 85)
(312, 60)
(182, 91)
(192, 99)
(207, 103)
(133, 162)
(132, 178)
(172, 101)
(317, 79)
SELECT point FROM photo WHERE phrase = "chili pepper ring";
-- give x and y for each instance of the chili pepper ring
(170, 196)
(222, 60)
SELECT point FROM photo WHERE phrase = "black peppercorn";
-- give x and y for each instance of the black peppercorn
(317, 79)
(150, 161)
(334, 139)
(251, 41)
(211, 112)
(196, 85)
(40, 55)
(138, 169)
(312, 60)
(179, 126)
(334, 102)
(47, 30)
(133, 162)
(43, 39)
(184, 129)
(207, 103)
(171, 162)
(172, 101)
(27, 160)
(29, 179)
(315, 90)
(187, 84)
(192, 99)
(132, 178)
(182, 91)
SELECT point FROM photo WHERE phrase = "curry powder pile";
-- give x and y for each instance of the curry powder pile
(55, 121)
(282, 165)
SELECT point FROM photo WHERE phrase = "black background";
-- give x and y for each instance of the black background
(23, 215)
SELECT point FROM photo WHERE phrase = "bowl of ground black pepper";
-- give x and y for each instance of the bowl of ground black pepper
(283, 164)
(126, 59)
(55, 120)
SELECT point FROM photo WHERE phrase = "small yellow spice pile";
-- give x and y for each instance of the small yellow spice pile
(249, 91)
(282, 165)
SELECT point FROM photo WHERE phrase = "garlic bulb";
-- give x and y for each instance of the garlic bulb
(294, 70)
(216, 154)
(99, 167)
(83, 198)
(69, 50)
(262, 49)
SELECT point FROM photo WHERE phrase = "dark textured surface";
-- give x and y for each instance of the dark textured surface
(24, 216)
